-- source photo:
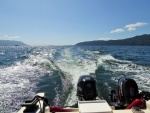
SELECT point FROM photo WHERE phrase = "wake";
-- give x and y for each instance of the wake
(75, 66)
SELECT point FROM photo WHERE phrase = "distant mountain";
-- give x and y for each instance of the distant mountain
(142, 40)
(11, 43)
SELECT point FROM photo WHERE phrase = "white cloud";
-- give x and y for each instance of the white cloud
(7, 37)
(14, 37)
(117, 30)
(132, 27)
(138, 24)
(104, 39)
(129, 27)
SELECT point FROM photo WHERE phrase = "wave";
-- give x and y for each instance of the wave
(61, 80)
(55, 71)
(35, 74)
(76, 65)
(110, 69)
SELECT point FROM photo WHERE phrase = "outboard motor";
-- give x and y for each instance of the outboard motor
(127, 93)
(127, 90)
(86, 88)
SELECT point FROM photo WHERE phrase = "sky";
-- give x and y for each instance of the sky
(67, 22)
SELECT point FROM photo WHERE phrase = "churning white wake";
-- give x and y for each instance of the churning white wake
(76, 66)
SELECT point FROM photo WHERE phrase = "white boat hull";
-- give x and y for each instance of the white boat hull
(100, 106)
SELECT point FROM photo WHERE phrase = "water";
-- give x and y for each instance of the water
(25, 71)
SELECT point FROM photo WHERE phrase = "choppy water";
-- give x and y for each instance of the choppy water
(25, 71)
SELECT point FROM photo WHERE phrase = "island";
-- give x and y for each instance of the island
(141, 40)
(11, 43)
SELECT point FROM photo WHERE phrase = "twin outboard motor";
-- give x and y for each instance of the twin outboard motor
(86, 88)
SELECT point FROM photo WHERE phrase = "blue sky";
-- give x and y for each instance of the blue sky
(67, 22)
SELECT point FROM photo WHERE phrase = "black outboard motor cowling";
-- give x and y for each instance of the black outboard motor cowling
(86, 88)
(127, 90)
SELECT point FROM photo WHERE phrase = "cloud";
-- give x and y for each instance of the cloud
(104, 39)
(132, 27)
(117, 30)
(14, 37)
(129, 27)
(7, 37)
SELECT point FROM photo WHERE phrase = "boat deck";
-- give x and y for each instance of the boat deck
(100, 106)
(76, 110)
